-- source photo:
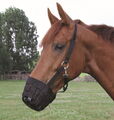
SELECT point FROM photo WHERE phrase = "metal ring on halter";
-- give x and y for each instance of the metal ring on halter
(65, 65)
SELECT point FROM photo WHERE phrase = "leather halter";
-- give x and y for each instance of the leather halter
(65, 64)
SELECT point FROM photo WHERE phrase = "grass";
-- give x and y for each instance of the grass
(82, 101)
(83, 74)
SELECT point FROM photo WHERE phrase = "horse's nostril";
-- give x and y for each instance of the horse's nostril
(27, 99)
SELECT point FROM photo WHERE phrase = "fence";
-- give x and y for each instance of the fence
(15, 75)
(86, 78)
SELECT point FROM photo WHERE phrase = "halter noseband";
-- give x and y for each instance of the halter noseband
(65, 64)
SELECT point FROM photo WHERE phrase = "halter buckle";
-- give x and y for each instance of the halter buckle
(66, 66)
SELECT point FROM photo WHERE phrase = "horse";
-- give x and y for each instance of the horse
(70, 47)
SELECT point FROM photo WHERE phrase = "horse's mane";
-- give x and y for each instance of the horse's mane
(106, 32)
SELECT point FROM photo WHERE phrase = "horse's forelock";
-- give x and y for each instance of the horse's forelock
(52, 32)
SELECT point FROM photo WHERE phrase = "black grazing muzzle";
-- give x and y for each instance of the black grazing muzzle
(37, 95)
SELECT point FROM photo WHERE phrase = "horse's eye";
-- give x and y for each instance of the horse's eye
(59, 46)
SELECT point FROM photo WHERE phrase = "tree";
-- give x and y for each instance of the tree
(20, 38)
(5, 60)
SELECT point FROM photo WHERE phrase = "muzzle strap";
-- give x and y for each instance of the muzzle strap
(55, 77)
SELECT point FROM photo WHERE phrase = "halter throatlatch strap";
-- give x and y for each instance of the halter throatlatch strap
(64, 64)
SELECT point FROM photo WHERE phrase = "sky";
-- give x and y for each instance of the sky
(89, 11)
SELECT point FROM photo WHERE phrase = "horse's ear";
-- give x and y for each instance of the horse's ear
(52, 18)
(66, 19)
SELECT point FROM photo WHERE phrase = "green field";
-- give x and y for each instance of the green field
(82, 101)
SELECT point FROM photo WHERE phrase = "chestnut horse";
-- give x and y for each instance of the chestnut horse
(70, 47)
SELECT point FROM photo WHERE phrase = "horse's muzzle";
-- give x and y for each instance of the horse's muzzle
(37, 95)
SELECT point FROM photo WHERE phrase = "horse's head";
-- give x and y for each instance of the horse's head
(61, 60)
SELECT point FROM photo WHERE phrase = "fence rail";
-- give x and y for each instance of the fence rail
(14, 77)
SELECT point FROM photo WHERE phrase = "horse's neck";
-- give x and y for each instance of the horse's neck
(104, 74)
(100, 63)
